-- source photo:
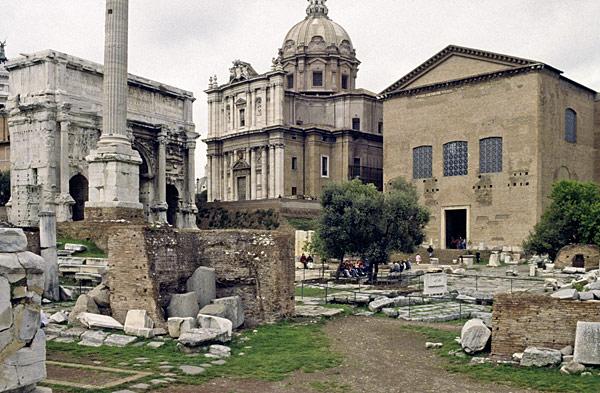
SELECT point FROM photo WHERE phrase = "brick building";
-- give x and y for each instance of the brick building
(484, 136)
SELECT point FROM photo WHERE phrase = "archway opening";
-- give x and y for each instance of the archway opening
(146, 188)
(173, 204)
(78, 188)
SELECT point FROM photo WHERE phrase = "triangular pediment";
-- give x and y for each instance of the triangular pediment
(456, 63)
(241, 164)
(240, 102)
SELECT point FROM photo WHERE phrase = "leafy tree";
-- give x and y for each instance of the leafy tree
(358, 220)
(4, 187)
(573, 217)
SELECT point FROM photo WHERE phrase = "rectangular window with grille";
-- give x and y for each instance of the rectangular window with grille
(290, 81)
(570, 126)
(456, 159)
(324, 166)
(356, 124)
(242, 118)
(422, 162)
(317, 78)
(345, 82)
(490, 155)
(294, 163)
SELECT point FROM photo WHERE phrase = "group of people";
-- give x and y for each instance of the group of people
(307, 261)
(399, 267)
(458, 244)
(354, 269)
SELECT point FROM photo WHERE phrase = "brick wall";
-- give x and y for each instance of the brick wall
(147, 265)
(523, 320)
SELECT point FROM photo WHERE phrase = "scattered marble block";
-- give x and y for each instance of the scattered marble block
(176, 326)
(99, 321)
(93, 338)
(217, 310)
(566, 294)
(119, 340)
(587, 343)
(435, 284)
(191, 370)
(234, 310)
(75, 247)
(474, 336)
(541, 357)
(138, 323)
(183, 305)
(220, 351)
(203, 283)
(211, 322)
(84, 304)
(377, 304)
(198, 337)
(59, 317)
(12, 240)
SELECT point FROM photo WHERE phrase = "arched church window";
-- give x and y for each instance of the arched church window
(317, 78)
(490, 155)
(422, 162)
(570, 126)
(456, 158)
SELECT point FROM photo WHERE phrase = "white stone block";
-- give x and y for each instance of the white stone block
(6, 313)
(99, 321)
(435, 284)
(12, 240)
(136, 320)
(176, 326)
(211, 322)
(587, 343)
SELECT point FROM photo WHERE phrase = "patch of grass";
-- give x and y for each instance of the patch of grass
(303, 224)
(93, 251)
(270, 354)
(542, 379)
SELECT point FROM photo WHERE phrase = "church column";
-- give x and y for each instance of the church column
(231, 180)
(252, 174)
(263, 174)
(272, 172)
(279, 169)
(160, 209)
(224, 186)
(209, 181)
(65, 201)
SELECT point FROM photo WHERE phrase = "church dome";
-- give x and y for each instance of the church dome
(317, 34)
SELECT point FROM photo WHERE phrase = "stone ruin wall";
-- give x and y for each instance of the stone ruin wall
(524, 320)
(22, 341)
(147, 265)
(590, 253)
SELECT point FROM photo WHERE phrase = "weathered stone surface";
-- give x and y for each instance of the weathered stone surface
(93, 338)
(59, 317)
(587, 343)
(220, 350)
(234, 310)
(566, 294)
(84, 304)
(6, 338)
(9, 378)
(160, 331)
(178, 325)
(6, 315)
(217, 310)
(571, 368)
(390, 312)
(100, 295)
(27, 321)
(198, 337)
(74, 332)
(377, 304)
(541, 357)
(573, 270)
(34, 353)
(183, 305)
(99, 321)
(32, 263)
(119, 340)
(191, 370)
(65, 294)
(486, 317)
(11, 268)
(317, 311)
(474, 336)
(12, 240)
(203, 284)
(567, 351)
(435, 283)
(136, 320)
(32, 373)
(211, 322)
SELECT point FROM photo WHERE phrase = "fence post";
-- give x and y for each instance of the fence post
(326, 285)
(409, 307)
(476, 279)
(459, 310)
(511, 285)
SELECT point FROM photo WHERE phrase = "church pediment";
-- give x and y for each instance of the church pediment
(455, 63)
(240, 102)
(241, 165)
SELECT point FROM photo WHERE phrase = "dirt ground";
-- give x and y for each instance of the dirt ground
(378, 358)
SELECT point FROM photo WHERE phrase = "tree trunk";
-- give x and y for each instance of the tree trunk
(339, 269)
(376, 268)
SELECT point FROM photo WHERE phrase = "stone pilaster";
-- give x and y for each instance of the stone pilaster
(209, 179)
(48, 251)
(279, 171)
(160, 207)
(272, 172)
(64, 202)
(252, 174)
(190, 210)
(263, 174)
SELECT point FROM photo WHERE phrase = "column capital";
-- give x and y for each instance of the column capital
(191, 145)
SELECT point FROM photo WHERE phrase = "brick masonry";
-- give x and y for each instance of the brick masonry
(524, 320)
(147, 265)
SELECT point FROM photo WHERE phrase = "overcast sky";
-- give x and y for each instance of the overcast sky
(183, 42)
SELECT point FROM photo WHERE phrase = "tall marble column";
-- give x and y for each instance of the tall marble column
(279, 169)
(48, 252)
(114, 185)
(160, 208)
(64, 205)
(225, 173)
(263, 173)
(232, 196)
(272, 172)
(190, 210)
(252, 174)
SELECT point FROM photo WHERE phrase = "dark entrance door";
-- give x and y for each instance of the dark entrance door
(241, 187)
(456, 227)
(172, 203)
(578, 261)
(78, 188)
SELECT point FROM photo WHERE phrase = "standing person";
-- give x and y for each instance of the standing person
(309, 262)
(430, 251)
(303, 260)
(418, 259)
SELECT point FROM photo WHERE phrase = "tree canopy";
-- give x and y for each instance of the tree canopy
(573, 217)
(358, 220)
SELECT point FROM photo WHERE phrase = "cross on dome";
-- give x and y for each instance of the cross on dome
(317, 8)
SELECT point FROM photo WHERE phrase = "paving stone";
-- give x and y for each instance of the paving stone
(191, 370)
(166, 368)
(219, 362)
(93, 338)
(64, 340)
(155, 344)
(119, 340)
(140, 386)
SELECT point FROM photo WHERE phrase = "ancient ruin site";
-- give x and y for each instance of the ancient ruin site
(202, 197)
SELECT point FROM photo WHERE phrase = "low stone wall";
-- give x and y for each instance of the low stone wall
(22, 342)
(147, 265)
(524, 320)
(97, 232)
(590, 255)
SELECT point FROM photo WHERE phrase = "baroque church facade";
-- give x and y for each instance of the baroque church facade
(288, 132)
(484, 136)
(4, 134)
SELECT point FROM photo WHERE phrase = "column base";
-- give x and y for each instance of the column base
(64, 208)
(159, 213)
(189, 215)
